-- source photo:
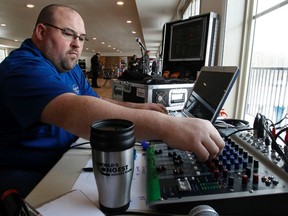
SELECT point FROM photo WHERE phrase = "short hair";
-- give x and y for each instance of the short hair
(47, 13)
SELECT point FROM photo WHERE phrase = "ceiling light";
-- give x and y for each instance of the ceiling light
(133, 32)
(129, 21)
(102, 42)
(3, 24)
(120, 3)
(94, 38)
(30, 5)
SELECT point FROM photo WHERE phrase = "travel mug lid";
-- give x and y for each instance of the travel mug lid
(112, 135)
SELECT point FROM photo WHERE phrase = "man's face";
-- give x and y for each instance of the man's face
(61, 44)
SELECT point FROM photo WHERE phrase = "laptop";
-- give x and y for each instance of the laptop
(209, 93)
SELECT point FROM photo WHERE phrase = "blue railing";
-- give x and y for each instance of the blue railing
(268, 93)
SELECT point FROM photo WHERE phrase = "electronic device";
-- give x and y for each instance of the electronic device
(240, 181)
(189, 44)
(172, 95)
(209, 93)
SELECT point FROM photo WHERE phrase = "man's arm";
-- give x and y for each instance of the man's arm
(149, 106)
(76, 114)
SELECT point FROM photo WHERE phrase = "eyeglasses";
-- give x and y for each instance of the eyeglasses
(69, 33)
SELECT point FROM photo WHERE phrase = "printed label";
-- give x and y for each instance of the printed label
(113, 169)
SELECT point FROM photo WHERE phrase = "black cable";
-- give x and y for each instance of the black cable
(239, 130)
(77, 145)
(276, 146)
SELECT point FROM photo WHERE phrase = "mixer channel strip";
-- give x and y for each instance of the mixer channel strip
(239, 181)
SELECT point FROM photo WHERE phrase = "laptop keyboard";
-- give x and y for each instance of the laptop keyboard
(176, 113)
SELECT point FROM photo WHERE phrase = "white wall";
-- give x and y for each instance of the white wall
(230, 36)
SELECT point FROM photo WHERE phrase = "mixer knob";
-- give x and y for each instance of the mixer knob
(224, 161)
(256, 164)
(250, 159)
(216, 174)
(232, 160)
(228, 165)
(236, 165)
(240, 159)
(220, 167)
(230, 181)
(275, 182)
(245, 154)
(220, 157)
(268, 182)
(248, 171)
(160, 168)
(228, 156)
(245, 164)
(244, 179)
(158, 151)
(178, 161)
(225, 173)
(177, 171)
(216, 162)
(255, 178)
(263, 179)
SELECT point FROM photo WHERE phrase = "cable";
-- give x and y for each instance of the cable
(77, 145)
(244, 129)
(263, 123)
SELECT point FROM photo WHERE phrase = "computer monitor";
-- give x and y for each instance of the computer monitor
(189, 44)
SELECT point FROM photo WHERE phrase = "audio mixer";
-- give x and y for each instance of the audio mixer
(246, 178)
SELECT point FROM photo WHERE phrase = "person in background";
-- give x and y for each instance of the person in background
(95, 68)
(146, 62)
(154, 68)
(46, 104)
(133, 63)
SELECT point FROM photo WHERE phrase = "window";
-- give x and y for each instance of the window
(268, 70)
(193, 9)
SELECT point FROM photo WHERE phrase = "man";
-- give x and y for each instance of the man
(133, 64)
(146, 62)
(46, 104)
(95, 67)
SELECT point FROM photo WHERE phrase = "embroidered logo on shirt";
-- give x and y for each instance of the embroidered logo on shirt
(75, 89)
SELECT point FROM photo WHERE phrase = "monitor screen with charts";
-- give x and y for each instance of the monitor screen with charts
(210, 92)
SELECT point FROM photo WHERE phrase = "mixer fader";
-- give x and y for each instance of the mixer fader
(242, 180)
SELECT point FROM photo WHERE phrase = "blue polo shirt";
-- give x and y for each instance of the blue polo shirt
(28, 82)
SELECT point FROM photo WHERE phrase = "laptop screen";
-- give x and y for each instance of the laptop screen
(210, 91)
(212, 86)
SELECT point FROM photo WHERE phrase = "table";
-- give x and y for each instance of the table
(65, 176)
(61, 178)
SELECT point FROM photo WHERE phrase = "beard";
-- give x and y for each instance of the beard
(67, 64)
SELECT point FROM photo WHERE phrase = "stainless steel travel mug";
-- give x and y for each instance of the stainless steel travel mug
(112, 143)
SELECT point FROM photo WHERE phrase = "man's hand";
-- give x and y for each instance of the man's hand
(152, 106)
(194, 135)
